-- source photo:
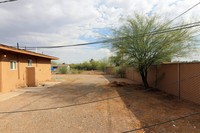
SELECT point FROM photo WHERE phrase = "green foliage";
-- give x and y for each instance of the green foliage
(75, 71)
(116, 60)
(120, 71)
(141, 50)
(63, 70)
(102, 64)
(91, 65)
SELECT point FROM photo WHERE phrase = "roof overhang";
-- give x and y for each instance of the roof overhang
(21, 51)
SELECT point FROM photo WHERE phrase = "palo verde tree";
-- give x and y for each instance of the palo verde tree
(145, 41)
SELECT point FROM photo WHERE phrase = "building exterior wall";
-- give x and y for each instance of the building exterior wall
(43, 70)
(12, 79)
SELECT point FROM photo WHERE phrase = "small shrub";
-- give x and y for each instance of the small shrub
(120, 71)
(63, 70)
(75, 71)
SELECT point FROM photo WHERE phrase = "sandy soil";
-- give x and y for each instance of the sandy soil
(96, 104)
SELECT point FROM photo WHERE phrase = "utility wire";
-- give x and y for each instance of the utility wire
(183, 13)
(6, 1)
(95, 101)
(161, 123)
(110, 40)
(66, 106)
(181, 27)
(165, 31)
(104, 41)
(101, 100)
(73, 45)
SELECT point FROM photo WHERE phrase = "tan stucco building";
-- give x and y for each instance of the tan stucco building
(20, 68)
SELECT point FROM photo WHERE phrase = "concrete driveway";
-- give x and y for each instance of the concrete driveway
(90, 103)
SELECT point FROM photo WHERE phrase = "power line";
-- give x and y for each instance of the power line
(6, 1)
(181, 27)
(101, 100)
(183, 13)
(66, 106)
(104, 41)
(73, 45)
(161, 123)
(184, 25)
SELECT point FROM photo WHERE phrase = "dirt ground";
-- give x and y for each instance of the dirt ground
(90, 103)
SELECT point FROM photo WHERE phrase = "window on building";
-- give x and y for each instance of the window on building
(13, 65)
(30, 62)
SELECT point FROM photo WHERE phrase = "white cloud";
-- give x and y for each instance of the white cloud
(79, 54)
(65, 22)
(192, 56)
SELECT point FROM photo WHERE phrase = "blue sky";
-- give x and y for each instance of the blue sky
(67, 22)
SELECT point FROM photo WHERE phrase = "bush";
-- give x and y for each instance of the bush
(63, 70)
(120, 71)
(91, 65)
(75, 71)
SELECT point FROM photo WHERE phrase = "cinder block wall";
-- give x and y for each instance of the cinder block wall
(110, 70)
(168, 78)
(190, 82)
(132, 74)
(179, 79)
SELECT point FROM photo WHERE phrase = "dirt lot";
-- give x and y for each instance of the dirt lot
(96, 103)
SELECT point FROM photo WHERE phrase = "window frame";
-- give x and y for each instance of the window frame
(30, 63)
(13, 65)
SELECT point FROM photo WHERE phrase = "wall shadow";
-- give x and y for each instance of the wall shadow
(148, 107)
(151, 107)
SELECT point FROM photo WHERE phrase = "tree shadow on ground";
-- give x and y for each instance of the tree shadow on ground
(151, 107)
(58, 96)
(147, 107)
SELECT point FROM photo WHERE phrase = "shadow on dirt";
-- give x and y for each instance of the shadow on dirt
(150, 107)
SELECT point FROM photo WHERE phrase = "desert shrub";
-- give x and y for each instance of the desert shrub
(76, 71)
(91, 65)
(63, 70)
(119, 71)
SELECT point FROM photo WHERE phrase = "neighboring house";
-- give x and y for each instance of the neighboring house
(56, 68)
(20, 68)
